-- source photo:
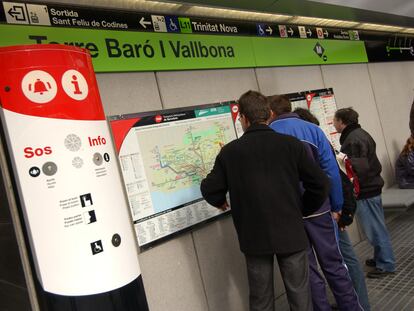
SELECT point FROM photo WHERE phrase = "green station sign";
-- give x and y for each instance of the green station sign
(123, 51)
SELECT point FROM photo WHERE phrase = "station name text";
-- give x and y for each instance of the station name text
(114, 48)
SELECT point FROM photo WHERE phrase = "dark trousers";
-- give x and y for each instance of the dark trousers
(294, 268)
(322, 237)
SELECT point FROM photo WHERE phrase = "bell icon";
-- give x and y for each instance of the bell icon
(39, 87)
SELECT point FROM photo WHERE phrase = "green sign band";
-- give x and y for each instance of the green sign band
(291, 52)
(122, 51)
(211, 111)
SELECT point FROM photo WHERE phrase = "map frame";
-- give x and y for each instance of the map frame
(120, 126)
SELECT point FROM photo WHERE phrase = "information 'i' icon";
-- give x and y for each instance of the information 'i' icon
(75, 85)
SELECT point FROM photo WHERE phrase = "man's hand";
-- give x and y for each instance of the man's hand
(342, 227)
(224, 207)
(336, 215)
(345, 220)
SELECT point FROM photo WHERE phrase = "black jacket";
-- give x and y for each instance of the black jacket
(359, 146)
(404, 171)
(349, 206)
(262, 172)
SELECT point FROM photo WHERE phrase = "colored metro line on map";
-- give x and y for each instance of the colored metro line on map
(177, 159)
(164, 156)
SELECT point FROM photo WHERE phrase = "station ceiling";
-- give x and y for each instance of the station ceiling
(398, 13)
(392, 16)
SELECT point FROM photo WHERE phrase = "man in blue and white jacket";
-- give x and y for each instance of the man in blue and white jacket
(320, 226)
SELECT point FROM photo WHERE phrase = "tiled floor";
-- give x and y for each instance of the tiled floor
(394, 292)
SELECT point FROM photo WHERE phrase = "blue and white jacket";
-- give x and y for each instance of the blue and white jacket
(311, 134)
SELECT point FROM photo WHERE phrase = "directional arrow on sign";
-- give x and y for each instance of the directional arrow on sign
(290, 31)
(326, 33)
(269, 30)
(309, 32)
(144, 23)
(17, 13)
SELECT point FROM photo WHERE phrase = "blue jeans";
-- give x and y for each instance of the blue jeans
(354, 269)
(371, 216)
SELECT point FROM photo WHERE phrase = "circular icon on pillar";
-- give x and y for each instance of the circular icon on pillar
(73, 142)
(49, 168)
(116, 240)
(39, 86)
(75, 85)
(97, 158)
(34, 171)
(77, 162)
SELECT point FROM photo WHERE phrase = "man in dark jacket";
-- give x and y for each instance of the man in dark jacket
(359, 146)
(262, 171)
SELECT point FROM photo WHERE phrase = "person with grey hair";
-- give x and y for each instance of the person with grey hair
(360, 147)
(262, 171)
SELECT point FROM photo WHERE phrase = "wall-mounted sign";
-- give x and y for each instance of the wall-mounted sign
(63, 15)
(389, 48)
(321, 103)
(115, 51)
(164, 155)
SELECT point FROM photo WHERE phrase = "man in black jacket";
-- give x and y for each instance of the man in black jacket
(262, 172)
(359, 146)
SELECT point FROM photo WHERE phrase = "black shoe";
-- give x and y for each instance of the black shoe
(370, 262)
(378, 273)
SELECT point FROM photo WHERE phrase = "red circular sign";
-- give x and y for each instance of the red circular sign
(51, 81)
(158, 118)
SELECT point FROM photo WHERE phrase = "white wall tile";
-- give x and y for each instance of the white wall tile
(198, 87)
(123, 93)
(171, 276)
(393, 85)
(282, 80)
(352, 87)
